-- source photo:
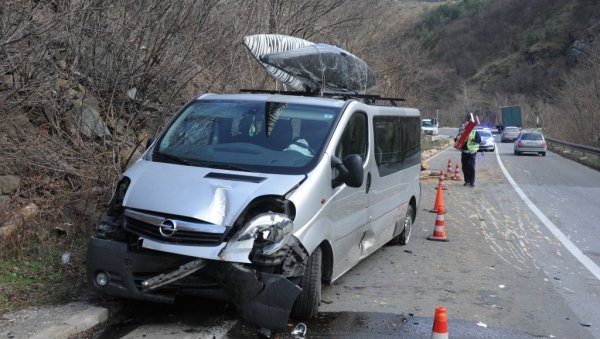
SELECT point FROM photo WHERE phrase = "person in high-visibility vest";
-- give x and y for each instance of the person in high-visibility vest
(468, 156)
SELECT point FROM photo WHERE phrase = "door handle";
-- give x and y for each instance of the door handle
(368, 182)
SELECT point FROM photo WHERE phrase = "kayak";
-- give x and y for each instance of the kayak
(309, 67)
(262, 44)
(322, 67)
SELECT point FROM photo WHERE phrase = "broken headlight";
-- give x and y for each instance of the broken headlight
(115, 206)
(111, 221)
(270, 231)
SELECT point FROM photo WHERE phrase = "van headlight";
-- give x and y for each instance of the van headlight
(115, 206)
(270, 231)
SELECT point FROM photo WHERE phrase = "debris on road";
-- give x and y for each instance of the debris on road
(299, 331)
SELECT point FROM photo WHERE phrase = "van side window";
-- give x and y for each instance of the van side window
(397, 143)
(411, 141)
(354, 139)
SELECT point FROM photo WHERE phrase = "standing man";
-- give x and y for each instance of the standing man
(468, 156)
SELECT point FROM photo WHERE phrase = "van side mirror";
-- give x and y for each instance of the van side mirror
(150, 141)
(350, 171)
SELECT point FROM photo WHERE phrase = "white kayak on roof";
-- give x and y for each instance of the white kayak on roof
(323, 67)
(262, 44)
(316, 67)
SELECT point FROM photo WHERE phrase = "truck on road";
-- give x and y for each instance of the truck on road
(429, 126)
(511, 116)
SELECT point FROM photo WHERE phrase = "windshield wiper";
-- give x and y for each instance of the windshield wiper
(188, 162)
(174, 158)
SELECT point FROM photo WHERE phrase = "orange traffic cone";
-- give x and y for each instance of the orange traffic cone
(439, 201)
(439, 230)
(440, 324)
(442, 181)
(457, 174)
(449, 171)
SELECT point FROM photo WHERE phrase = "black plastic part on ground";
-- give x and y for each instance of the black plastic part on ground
(382, 325)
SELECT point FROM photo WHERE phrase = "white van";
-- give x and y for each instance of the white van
(258, 198)
(429, 126)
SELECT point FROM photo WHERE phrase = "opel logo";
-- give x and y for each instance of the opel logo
(167, 228)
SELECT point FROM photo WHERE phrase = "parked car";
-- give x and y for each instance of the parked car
(487, 140)
(510, 133)
(530, 142)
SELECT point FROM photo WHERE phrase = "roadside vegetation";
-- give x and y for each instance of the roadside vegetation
(83, 84)
(539, 54)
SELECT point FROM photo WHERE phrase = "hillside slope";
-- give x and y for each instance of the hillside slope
(510, 46)
(507, 52)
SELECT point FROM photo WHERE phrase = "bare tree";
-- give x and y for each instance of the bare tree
(577, 118)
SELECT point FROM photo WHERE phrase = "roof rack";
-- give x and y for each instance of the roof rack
(369, 99)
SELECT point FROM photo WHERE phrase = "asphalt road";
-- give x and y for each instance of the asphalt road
(503, 273)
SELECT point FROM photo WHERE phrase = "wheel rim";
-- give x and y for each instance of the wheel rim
(407, 228)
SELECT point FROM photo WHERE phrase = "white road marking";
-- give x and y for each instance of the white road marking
(583, 259)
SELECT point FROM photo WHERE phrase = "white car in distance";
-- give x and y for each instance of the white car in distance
(429, 126)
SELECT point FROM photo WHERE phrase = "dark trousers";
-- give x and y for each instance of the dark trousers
(468, 166)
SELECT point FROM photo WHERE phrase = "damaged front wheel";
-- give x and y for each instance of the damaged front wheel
(307, 303)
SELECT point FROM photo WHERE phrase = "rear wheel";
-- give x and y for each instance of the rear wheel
(307, 303)
(543, 154)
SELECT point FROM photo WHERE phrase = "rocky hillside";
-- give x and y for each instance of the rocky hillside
(511, 52)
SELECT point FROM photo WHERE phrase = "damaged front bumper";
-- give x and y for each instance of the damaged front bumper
(260, 290)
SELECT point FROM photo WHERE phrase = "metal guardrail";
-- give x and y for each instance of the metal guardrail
(589, 155)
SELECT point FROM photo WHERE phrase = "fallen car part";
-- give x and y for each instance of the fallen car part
(261, 299)
(167, 278)
(299, 331)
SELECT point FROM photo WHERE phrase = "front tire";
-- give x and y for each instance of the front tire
(404, 236)
(307, 303)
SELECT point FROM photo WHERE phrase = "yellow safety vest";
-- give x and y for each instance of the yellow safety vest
(472, 146)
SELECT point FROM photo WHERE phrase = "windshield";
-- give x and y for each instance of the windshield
(427, 123)
(484, 134)
(511, 129)
(531, 136)
(254, 136)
